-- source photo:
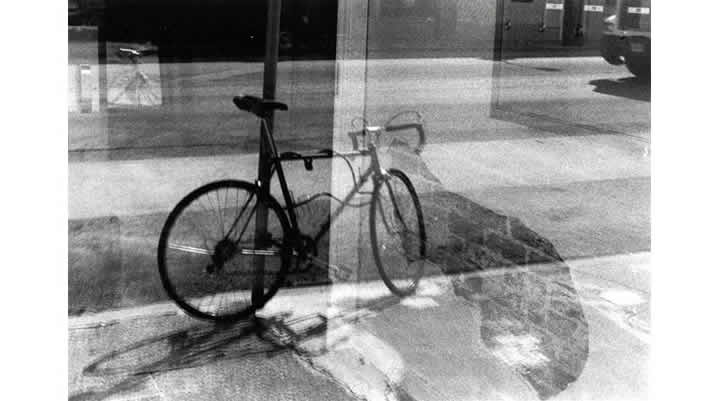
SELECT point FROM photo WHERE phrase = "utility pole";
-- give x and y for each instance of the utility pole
(272, 40)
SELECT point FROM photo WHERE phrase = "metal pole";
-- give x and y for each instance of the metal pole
(272, 40)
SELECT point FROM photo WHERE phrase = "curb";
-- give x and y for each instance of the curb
(631, 270)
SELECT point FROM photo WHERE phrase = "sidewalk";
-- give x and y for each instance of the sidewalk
(343, 356)
(518, 329)
(347, 341)
(463, 237)
(175, 358)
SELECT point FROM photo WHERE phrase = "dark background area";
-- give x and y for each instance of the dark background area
(210, 30)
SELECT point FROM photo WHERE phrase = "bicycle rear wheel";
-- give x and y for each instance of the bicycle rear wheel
(397, 233)
(208, 251)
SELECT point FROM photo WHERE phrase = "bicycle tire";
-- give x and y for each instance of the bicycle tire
(411, 241)
(193, 254)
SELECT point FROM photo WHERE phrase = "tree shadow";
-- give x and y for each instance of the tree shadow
(629, 87)
(206, 343)
(532, 317)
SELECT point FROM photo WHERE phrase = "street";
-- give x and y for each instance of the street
(560, 145)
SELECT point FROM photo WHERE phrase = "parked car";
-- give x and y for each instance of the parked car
(627, 37)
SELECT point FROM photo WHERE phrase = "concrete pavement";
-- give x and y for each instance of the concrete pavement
(346, 367)
(366, 345)
(465, 336)
(175, 358)
(377, 347)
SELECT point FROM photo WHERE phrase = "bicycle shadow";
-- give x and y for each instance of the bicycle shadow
(206, 343)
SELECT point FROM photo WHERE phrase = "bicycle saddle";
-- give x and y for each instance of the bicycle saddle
(135, 52)
(256, 105)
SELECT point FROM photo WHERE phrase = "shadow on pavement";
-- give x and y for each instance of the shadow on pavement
(630, 87)
(544, 69)
(532, 319)
(182, 349)
(206, 343)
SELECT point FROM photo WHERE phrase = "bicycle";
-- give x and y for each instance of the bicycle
(138, 89)
(226, 248)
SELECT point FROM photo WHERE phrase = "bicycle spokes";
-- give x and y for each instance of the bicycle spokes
(209, 247)
(239, 217)
(395, 225)
(397, 233)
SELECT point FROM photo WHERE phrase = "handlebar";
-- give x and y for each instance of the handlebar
(354, 135)
(420, 131)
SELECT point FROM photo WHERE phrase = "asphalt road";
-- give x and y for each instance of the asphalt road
(563, 143)
(567, 95)
(579, 92)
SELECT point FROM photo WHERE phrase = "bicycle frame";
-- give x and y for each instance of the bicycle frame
(290, 244)
(276, 159)
(374, 171)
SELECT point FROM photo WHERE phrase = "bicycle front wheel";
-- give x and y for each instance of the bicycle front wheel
(211, 261)
(397, 233)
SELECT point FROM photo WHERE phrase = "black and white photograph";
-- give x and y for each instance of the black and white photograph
(358, 200)
(378, 200)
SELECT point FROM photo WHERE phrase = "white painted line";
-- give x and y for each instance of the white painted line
(630, 270)
(621, 297)
(555, 6)
(619, 320)
(637, 260)
(594, 8)
(638, 10)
